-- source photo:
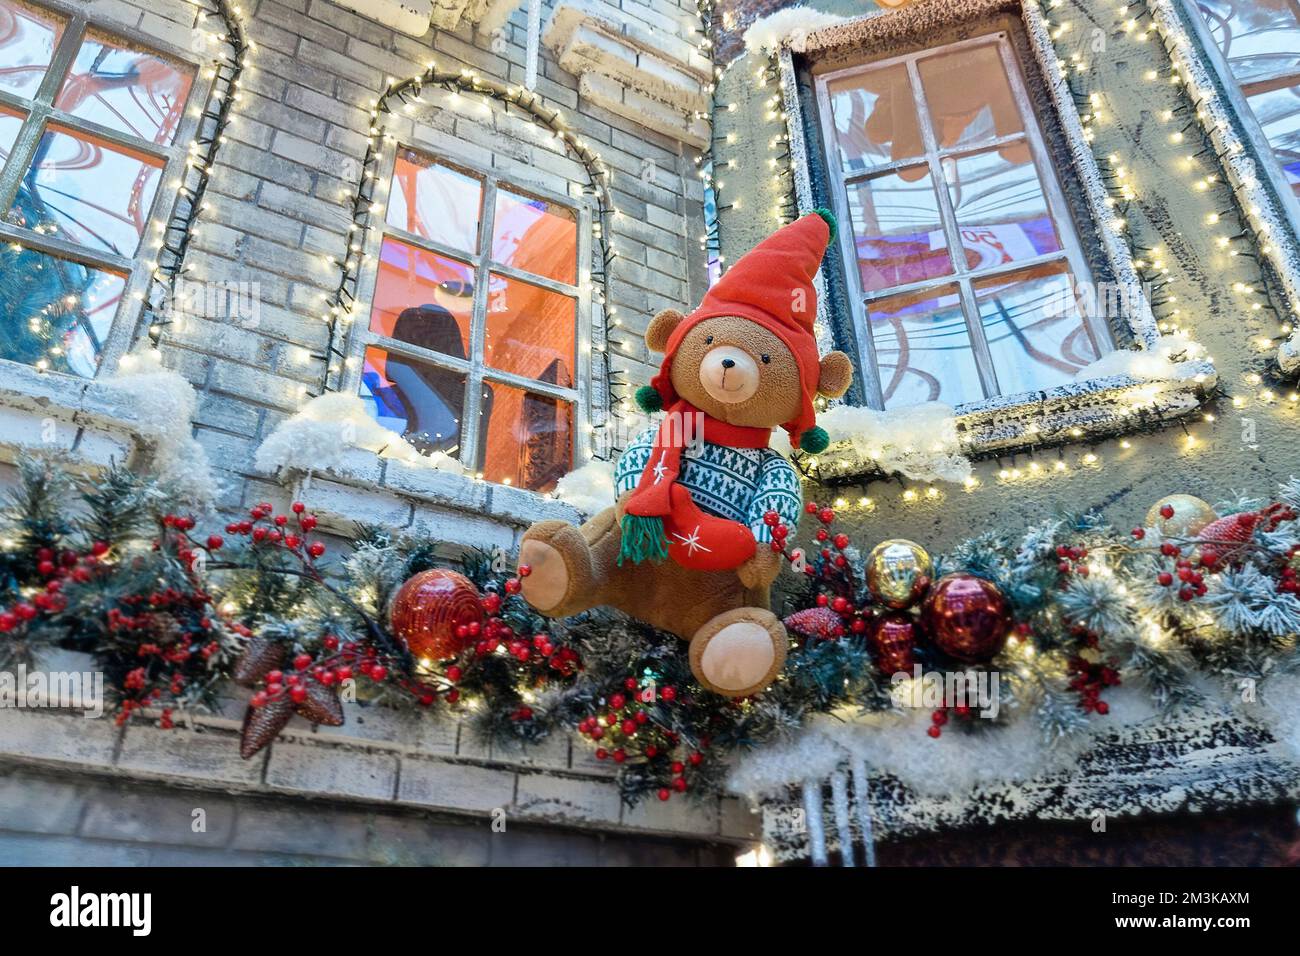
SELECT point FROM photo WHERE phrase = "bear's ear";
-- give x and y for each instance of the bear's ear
(660, 327)
(836, 374)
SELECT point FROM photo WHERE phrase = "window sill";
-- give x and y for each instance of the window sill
(427, 488)
(51, 412)
(1091, 410)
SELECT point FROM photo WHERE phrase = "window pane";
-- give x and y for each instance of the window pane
(55, 310)
(11, 122)
(896, 229)
(85, 190)
(419, 401)
(530, 331)
(529, 437)
(434, 201)
(1034, 329)
(27, 40)
(535, 236)
(923, 349)
(1259, 38)
(423, 298)
(1278, 112)
(89, 191)
(968, 96)
(126, 89)
(875, 118)
(1000, 206)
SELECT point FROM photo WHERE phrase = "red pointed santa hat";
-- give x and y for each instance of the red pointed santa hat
(771, 285)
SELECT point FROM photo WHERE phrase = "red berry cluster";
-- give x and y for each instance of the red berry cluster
(1191, 582)
(1091, 675)
(264, 527)
(629, 731)
(336, 662)
(1072, 559)
(832, 570)
(939, 717)
(1288, 582)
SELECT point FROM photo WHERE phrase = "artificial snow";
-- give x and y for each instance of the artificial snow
(589, 488)
(919, 442)
(790, 26)
(321, 433)
(163, 406)
(1162, 363)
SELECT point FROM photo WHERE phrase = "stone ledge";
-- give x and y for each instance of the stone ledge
(535, 786)
(659, 81)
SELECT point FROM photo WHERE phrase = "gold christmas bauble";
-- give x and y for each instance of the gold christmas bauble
(898, 572)
(1191, 514)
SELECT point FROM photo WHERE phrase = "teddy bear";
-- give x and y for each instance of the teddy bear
(687, 547)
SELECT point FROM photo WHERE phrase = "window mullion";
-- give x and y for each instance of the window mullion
(471, 423)
(24, 148)
(948, 215)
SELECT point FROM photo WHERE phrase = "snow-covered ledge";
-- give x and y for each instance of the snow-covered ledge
(657, 79)
(351, 469)
(139, 414)
(1159, 379)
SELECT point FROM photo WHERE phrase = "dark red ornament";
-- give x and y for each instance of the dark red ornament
(894, 638)
(966, 617)
(429, 607)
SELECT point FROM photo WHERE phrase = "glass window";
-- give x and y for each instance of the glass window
(82, 155)
(966, 259)
(126, 89)
(472, 344)
(1260, 40)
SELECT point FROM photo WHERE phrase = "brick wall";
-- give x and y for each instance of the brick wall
(277, 206)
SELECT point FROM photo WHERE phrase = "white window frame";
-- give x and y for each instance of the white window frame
(1275, 211)
(933, 156)
(1091, 409)
(480, 259)
(40, 112)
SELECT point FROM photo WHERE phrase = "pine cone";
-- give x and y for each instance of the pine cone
(263, 724)
(322, 705)
(261, 656)
(814, 622)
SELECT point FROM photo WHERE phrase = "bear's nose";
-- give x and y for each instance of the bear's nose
(728, 363)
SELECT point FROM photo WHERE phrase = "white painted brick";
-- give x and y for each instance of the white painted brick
(211, 757)
(678, 814)
(57, 737)
(567, 798)
(328, 771)
(738, 821)
(441, 785)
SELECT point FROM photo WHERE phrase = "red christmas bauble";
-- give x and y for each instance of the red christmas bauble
(894, 638)
(967, 617)
(429, 607)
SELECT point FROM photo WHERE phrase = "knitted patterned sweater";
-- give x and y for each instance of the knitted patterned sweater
(740, 484)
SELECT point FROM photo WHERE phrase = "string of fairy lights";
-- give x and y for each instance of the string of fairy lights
(1238, 237)
(230, 49)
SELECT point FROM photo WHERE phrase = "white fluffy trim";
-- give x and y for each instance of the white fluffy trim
(895, 742)
(1160, 363)
(589, 488)
(790, 26)
(918, 442)
(324, 430)
(163, 406)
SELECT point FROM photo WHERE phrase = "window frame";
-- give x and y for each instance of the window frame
(932, 156)
(1082, 410)
(41, 113)
(1274, 205)
(476, 371)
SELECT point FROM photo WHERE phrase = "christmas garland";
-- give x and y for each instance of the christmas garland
(1060, 613)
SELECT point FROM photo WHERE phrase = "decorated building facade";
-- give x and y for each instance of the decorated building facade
(1065, 269)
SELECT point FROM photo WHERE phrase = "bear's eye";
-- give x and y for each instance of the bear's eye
(766, 359)
(708, 340)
